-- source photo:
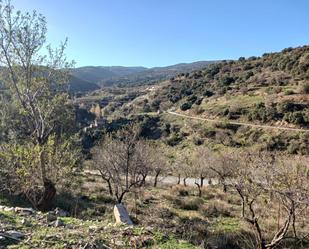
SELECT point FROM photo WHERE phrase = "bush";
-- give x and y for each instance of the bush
(208, 93)
(186, 106)
(215, 209)
(179, 191)
(304, 88)
(288, 92)
(188, 203)
(174, 139)
(227, 80)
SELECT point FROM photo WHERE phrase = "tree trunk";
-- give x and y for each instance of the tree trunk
(184, 181)
(49, 191)
(202, 181)
(156, 179)
(239, 191)
(178, 179)
(143, 181)
(120, 198)
(48, 195)
(224, 185)
(110, 189)
(199, 189)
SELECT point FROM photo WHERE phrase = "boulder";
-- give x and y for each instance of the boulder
(60, 213)
(8, 209)
(51, 217)
(15, 234)
(121, 215)
(25, 222)
(24, 211)
(59, 223)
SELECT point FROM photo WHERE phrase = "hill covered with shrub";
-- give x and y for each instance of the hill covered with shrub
(273, 88)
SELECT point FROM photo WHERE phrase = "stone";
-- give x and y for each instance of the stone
(121, 215)
(92, 229)
(24, 211)
(25, 222)
(59, 223)
(8, 209)
(60, 213)
(15, 234)
(69, 226)
(51, 217)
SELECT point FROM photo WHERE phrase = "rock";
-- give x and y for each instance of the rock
(121, 215)
(60, 213)
(92, 229)
(25, 222)
(8, 209)
(24, 211)
(69, 226)
(51, 217)
(15, 234)
(59, 223)
(2, 238)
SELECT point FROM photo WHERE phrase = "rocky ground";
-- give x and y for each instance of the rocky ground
(167, 217)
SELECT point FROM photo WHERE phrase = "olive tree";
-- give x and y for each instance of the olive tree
(35, 80)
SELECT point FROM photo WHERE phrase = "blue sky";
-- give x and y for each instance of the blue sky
(164, 32)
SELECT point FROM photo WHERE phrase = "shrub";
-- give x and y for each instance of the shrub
(304, 88)
(227, 80)
(288, 92)
(186, 106)
(208, 93)
(174, 139)
(215, 209)
(189, 203)
(180, 191)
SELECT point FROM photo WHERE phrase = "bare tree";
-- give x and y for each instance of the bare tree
(223, 165)
(118, 160)
(261, 176)
(203, 160)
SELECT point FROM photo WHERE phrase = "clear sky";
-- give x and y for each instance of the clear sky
(164, 32)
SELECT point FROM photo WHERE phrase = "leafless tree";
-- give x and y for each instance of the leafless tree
(118, 159)
(203, 160)
(262, 177)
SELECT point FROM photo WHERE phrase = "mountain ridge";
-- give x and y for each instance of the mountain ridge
(121, 75)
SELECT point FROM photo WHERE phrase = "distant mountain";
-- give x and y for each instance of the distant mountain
(77, 85)
(116, 75)
(91, 78)
(100, 74)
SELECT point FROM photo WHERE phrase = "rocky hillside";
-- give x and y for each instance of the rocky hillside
(273, 88)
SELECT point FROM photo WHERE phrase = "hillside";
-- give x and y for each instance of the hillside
(100, 74)
(156, 74)
(78, 85)
(271, 90)
(117, 75)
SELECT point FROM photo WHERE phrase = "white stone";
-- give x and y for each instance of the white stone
(24, 211)
(121, 215)
(8, 209)
(15, 234)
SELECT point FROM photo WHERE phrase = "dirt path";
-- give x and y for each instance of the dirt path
(163, 180)
(237, 123)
